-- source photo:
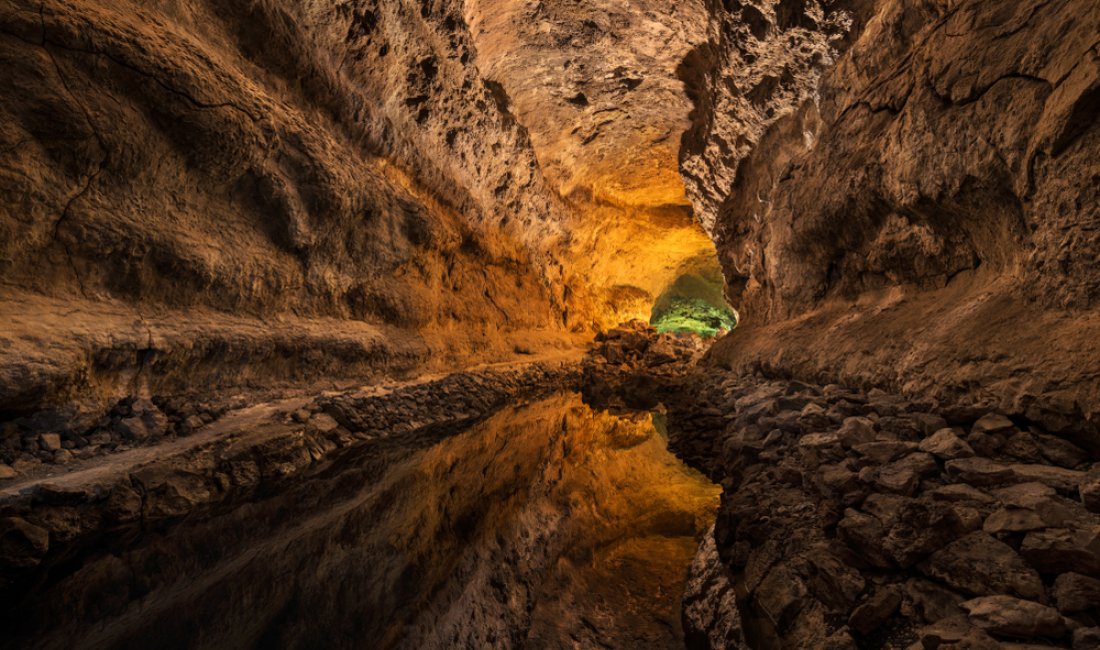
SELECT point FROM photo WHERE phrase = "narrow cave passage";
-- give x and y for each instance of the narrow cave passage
(716, 324)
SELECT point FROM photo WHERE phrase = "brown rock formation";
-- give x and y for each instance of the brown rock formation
(198, 196)
(177, 177)
(926, 219)
(596, 86)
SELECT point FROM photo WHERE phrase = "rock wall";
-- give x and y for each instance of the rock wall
(924, 220)
(597, 87)
(760, 60)
(183, 178)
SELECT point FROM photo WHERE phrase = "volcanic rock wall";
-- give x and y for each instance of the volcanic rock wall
(200, 184)
(925, 219)
(596, 85)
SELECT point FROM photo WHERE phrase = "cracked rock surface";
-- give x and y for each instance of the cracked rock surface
(181, 181)
(864, 519)
(925, 219)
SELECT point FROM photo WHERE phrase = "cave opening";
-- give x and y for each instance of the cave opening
(694, 304)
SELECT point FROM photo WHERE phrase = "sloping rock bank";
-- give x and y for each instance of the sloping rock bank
(251, 451)
(924, 218)
(854, 519)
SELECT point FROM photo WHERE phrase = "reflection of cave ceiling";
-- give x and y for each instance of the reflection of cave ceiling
(595, 84)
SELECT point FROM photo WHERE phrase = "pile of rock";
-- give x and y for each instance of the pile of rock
(454, 400)
(637, 344)
(631, 365)
(59, 437)
(262, 453)
(861, 519)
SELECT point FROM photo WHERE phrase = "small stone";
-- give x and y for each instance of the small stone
(813, 418)
(979, 471)
(100, 438)
(1013, 520)
(993, 423)
(7, 471)
(981, 565)
(960, 492)
(865, 534)
(856, 431)
(946, 445)
(1061, 452)
(1086, 638)
(874, 611)
(1059, 478)
(956, 632)
(794, 402)
(49, 441)
(903, 476)
(781, 595)
(22, 544)
(1024, 495)
(930, 601)
(1022, 446)
(133, 428)
(1089, 489)
(928, 423)
(839, 479)
(1013, 617)
(1061, 550)
(323, 422)
(25, 464)
(193, 423)
(1074, 593)
(62, 456)
(883, 452)
(817, 440)
(985, 444)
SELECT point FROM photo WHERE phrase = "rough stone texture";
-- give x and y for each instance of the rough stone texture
(761, 60)
(596, 84)
(1015, 618)
(1074, 592)
(926, 221)
(276, 182)
(877, 544)
(711, 618)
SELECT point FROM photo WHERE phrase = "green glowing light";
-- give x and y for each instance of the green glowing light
(686, 315)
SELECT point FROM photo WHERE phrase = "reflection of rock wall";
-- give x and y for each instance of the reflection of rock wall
(541, 524)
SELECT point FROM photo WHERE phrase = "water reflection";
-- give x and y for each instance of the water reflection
(546, 526)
